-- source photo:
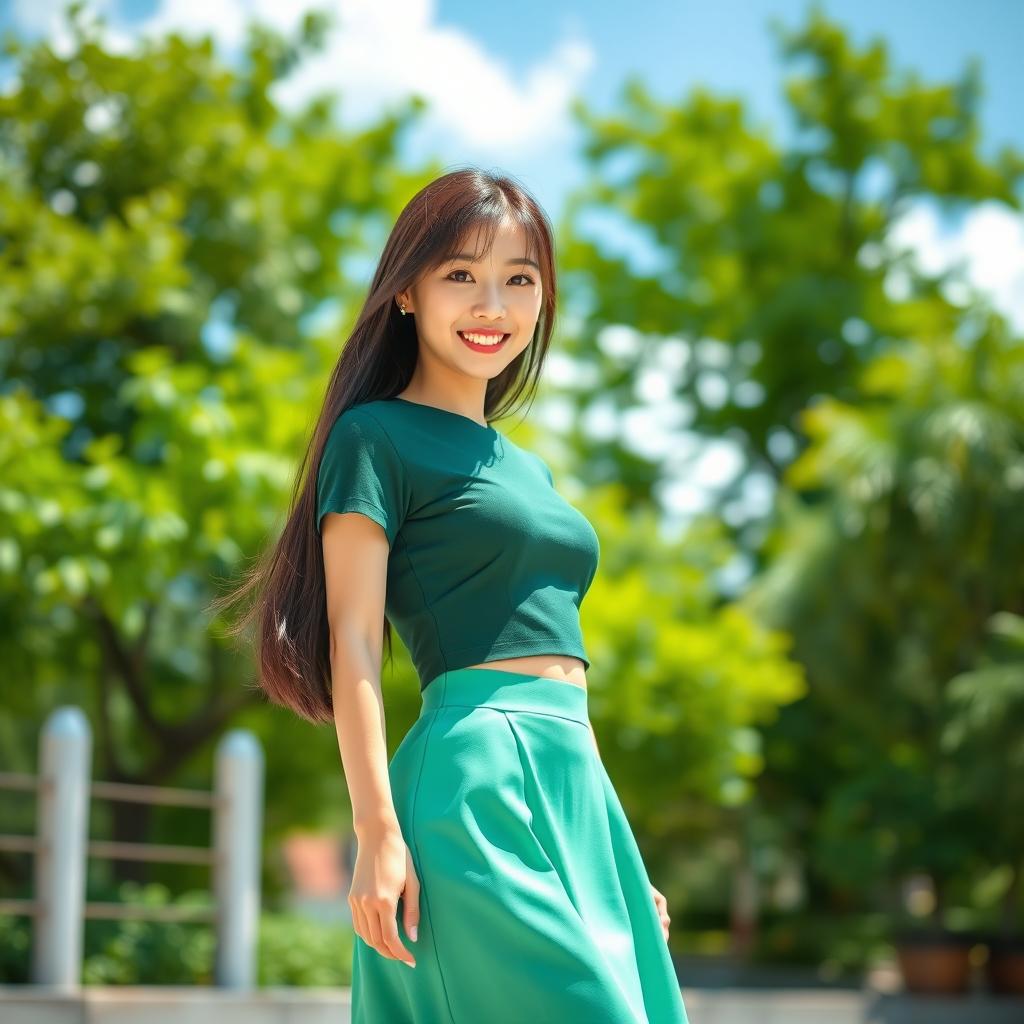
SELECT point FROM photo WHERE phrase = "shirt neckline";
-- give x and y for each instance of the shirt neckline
(447, 412)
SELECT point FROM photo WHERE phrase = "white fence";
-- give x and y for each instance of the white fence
(64, 787)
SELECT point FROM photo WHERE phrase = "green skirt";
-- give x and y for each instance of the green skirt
(535, 904)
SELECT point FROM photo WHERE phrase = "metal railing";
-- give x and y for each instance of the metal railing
(61, 845)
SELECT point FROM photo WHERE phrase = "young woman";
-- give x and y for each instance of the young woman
(497, 878)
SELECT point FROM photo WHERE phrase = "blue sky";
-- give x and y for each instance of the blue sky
(727, 44)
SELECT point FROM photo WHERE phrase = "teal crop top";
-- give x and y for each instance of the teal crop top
(487, 560)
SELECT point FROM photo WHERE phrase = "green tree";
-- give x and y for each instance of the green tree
(166, 233)
(774, 265)
(890, 585)
(985, 731)
(681, 683)
(776, 310)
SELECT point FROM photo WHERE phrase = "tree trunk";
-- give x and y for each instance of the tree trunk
(130, 823)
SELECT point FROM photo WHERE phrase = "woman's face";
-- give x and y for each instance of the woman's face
(499, 293)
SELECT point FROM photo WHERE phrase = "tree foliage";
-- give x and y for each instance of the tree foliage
(166, 235)
(775, 266)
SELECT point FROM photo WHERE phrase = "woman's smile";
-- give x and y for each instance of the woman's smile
(483, 341)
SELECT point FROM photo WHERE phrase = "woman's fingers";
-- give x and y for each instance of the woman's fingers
(391, 940)
(358, 921)
(361, 923)
(373, 931)
(379, 883)
(411, 901)
(374, 920)
(662, 906)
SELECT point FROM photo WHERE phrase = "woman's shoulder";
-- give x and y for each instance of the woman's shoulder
(370, 426)
(376, 413)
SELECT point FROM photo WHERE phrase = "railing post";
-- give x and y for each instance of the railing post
(238, 827)
(62, 825)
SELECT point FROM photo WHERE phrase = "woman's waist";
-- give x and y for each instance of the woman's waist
(563, 668)
(505, 690)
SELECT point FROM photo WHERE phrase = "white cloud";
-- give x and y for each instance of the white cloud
(377, 54)
(989, 243)
(380, 53)
(46, 18)
(225, 20)
(40, 17)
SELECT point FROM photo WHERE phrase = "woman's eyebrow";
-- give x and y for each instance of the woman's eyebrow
(468, 256)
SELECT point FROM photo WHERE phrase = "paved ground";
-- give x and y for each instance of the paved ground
(775, 1006)
(28, 1004)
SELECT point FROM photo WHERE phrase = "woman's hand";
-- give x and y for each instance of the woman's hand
(384, 872)
(662, 905)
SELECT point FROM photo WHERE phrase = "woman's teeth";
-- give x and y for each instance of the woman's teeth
(483, 339)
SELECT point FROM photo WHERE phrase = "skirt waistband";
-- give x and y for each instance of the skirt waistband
(506, 691)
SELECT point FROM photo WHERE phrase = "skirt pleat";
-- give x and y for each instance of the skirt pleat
(535, 905)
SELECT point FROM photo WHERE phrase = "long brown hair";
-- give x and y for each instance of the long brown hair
(377, 361)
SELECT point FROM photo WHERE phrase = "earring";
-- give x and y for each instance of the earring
(401, 306)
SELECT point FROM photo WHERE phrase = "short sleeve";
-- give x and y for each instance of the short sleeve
(362, 471)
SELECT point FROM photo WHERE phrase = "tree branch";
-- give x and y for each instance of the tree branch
(127, 667)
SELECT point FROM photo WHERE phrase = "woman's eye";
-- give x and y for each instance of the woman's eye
(526, 277)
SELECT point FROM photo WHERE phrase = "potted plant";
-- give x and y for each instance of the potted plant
(933, 960)
(933, 954)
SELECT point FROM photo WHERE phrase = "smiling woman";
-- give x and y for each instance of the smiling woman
(494, 856)
(489, 309)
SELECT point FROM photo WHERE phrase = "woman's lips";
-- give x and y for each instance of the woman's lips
(483, 348)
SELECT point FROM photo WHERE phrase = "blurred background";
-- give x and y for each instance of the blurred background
(786, 386)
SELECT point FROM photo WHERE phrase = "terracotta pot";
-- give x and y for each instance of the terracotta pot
(1004, 970)
(934, 962)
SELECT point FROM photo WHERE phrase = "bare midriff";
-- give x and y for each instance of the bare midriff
(564, 668)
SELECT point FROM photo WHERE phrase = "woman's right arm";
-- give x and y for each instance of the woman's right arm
(355, 567)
